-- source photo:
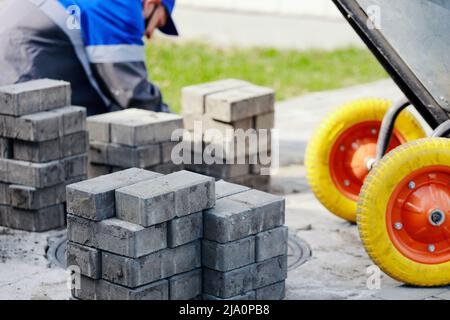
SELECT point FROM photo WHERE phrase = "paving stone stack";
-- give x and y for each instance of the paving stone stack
(224, 105)
(132, 138)
(43, 147)
(136, 234)
(244, 250)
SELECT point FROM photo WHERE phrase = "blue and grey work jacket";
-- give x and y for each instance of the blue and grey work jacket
(96, 45)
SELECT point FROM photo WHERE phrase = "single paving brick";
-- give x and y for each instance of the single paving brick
(81, 231)
(73, 119)
(270, 209)
(228, 256)
(138, 127)
(127, 239)
(4, 194)
(133, 273)
(246, 296)
(90, 289)
(40, 126)
(34, 96)
(125, 156)
(229, 221)
(272, 292)
(271, 243)
(99, 126)
(39, 175)
(265, 121)
(229, 284)
(35, 221)
(193, 97)
(54, 149)
(86, 258)
(225, 189)
(241, 103)
(6, 148)
(270, 271)
(186, 286)
(36, 198)
(185, 229)
(75, 166)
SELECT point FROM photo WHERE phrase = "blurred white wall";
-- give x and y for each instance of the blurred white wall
(245, 28)
(323, 8)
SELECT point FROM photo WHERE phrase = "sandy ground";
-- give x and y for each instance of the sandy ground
(25, 272)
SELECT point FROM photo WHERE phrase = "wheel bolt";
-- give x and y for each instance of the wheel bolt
(374, 131)
(342, 148)
(412, 185)
(431, 248)
(436, 218)
(398, 226)
(347, 183)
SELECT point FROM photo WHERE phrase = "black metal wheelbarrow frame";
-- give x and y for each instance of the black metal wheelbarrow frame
(415, 91)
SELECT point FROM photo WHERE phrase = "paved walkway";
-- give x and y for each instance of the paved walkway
(225, 28)
(297, 118)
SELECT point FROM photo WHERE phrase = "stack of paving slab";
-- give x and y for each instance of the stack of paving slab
(132, 138)
(135, 235)
(43, 147)
(244, 250)
(224, 106)
(140, 235)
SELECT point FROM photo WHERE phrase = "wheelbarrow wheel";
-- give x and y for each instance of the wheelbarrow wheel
(336, 155)
(404, 213)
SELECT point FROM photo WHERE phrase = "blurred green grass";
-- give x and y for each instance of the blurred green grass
(291, 73)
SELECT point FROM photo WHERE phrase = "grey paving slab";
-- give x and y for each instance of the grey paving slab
(193, 97)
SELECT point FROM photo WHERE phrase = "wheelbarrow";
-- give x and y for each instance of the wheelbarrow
(370, 161)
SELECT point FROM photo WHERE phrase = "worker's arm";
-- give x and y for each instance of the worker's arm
(127, 86)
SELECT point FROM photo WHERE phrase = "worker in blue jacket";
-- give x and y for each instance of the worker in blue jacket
(96, 45)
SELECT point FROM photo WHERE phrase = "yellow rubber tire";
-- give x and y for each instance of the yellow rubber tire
(372, 211)
(317, 158)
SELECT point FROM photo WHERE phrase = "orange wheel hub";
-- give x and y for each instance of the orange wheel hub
(352, 150)
(418, 215)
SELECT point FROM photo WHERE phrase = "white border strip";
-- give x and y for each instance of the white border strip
(115, 53)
